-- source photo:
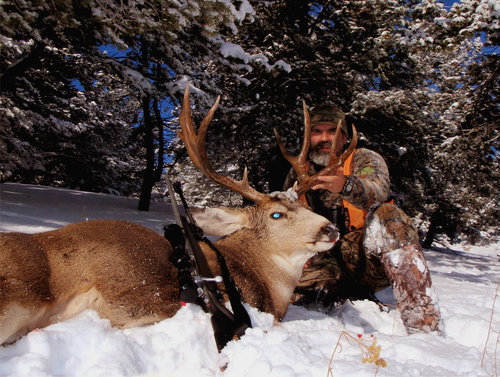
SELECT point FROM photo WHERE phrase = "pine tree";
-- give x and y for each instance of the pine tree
(91, 91)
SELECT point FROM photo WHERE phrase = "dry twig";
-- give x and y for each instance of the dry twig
(370, 352)
(489, 332)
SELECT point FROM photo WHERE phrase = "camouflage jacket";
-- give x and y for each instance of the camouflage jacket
(371, 184)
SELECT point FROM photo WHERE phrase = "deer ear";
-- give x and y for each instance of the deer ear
(220, 221)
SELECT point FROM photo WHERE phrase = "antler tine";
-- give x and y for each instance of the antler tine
(333, 164)
(195, 145)
(307, 135)
(299, 162)
(351, 147)
(333, 154)
(187, 133)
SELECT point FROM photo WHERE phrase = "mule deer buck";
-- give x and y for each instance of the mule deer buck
(122, 270)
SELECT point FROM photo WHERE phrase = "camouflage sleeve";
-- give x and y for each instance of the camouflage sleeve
(370, 178)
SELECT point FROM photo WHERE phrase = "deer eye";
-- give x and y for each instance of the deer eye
(277, 215)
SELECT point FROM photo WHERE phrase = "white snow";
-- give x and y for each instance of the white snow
(420, 265)
(465, 281)
(236, 51)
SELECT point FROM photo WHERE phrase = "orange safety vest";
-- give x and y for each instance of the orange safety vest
(356, 216)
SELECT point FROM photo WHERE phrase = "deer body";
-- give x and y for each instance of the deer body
(117, 268)
(122, 270)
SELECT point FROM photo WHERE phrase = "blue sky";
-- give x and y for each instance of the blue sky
(449, 2)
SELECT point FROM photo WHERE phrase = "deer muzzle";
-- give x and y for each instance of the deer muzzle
(331, 232)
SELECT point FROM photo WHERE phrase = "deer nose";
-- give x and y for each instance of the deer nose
(331, 231)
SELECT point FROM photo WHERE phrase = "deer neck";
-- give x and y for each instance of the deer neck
(272, 274)
(266, 257)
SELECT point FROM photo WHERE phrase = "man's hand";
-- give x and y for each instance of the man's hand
(333, 183)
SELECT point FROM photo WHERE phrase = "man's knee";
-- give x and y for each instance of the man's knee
(350, 250)
(388, 228)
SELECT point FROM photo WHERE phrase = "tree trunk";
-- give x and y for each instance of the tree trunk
(161, 141)
(148, 178)
(429, 238)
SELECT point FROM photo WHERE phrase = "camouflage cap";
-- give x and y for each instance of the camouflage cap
(328, 114)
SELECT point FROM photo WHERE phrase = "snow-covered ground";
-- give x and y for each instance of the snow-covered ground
(466, 280)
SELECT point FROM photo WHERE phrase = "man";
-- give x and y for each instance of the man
(379, 245)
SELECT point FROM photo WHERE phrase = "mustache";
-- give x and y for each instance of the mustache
(322, 145)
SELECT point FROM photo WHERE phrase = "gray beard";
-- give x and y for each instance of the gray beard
(319, 158)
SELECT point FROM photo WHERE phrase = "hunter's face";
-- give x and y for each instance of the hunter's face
(322, 136)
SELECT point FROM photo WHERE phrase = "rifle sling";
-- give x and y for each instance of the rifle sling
(240, 314)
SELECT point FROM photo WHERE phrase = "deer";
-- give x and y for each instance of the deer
(122, 270)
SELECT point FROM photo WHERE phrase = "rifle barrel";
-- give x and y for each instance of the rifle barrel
(173, 201)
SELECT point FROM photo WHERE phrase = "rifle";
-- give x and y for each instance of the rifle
(195, 286)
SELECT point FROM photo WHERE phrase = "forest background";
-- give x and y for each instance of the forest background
(91, 90)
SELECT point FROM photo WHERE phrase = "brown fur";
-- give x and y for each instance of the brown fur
(122, 270)
(117, 268)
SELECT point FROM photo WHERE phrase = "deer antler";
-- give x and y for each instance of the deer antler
(195, 145)
(299, 163)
